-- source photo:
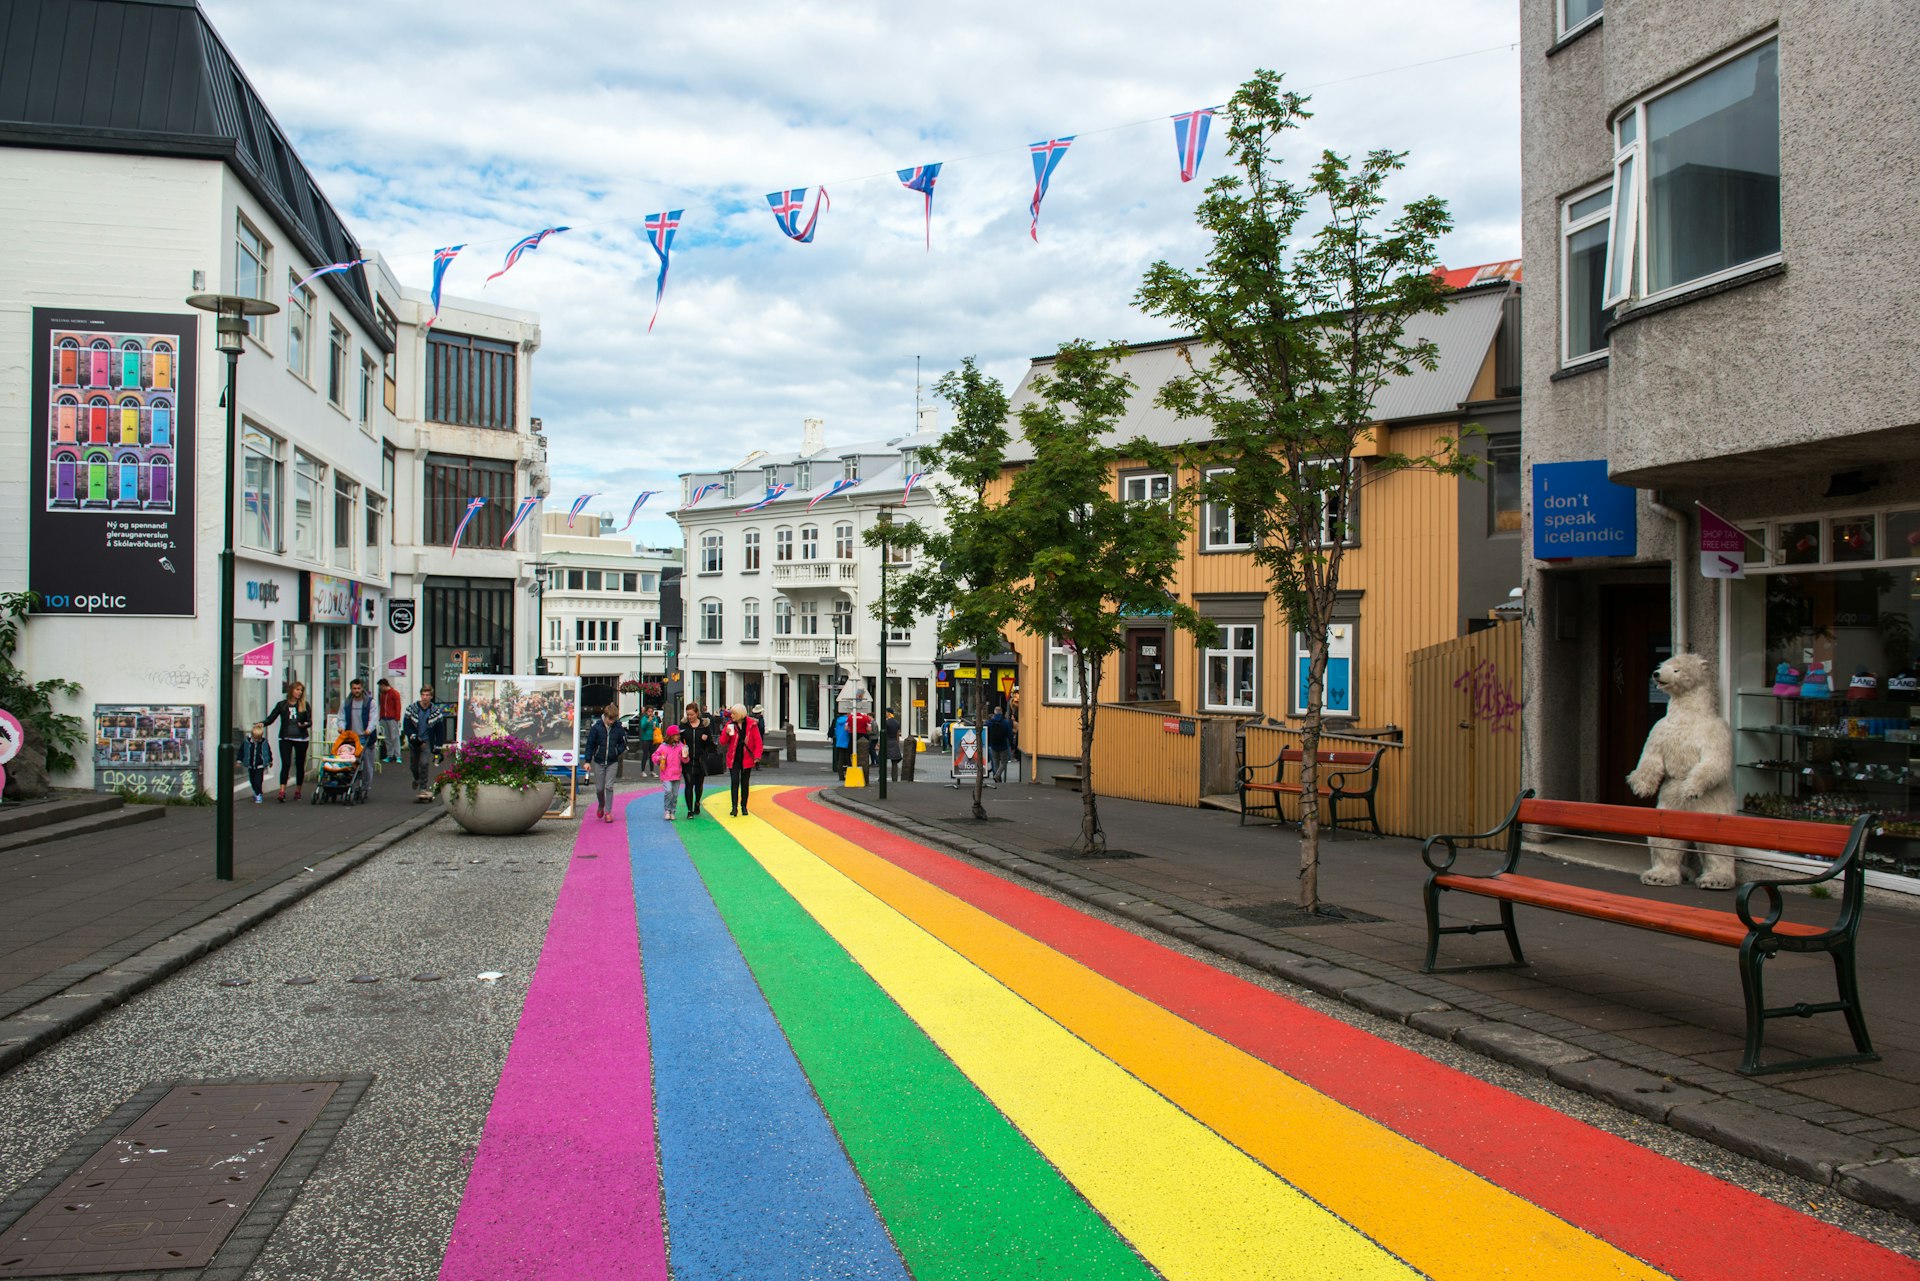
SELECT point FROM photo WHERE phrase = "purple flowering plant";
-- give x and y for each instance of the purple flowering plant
(507, 761)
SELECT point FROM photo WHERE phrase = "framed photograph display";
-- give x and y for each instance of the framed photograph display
(541, 710)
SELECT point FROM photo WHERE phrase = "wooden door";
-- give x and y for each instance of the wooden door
(1635, 638)
(1145, 680)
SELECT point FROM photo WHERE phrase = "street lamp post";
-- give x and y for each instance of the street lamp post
(886, 763)
(230, 335)
(538, 587)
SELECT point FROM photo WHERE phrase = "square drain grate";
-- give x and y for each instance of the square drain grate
(165, 1191)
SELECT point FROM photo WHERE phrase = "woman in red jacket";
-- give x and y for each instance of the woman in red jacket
(740, 742)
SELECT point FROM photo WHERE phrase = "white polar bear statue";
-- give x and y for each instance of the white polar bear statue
(1688, 761)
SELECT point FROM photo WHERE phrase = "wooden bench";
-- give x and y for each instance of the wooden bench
(1757, 937)
(1336, 769)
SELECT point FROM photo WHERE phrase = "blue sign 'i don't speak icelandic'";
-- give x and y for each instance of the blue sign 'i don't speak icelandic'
(1577, 511)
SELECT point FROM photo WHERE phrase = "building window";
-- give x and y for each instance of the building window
(1503, 482)
(576, 579)
(1231, 670)
(750, 551)
(376, 532)
(843, 541)
(1063, 674)
(260, 519)
(807, 695)
(711, 558)
(251, 256)
(471, 382)
(750, 620)
(1584, 223)
(389, 359)
(1575, 14)
(709, 620)
(783, 544)
(556, 634)
(809, 542)
(451, 481)
(593, 580)
(344, 494)
(299, 328)
(899, 554)
(1338, 698)
(782, 616)
(649, 582)
(1338, 488)
(1145, 487)
(1221, 528)
(339, 344)
(1696, 178)
(850, 467)
(369, 375)
(909, 461)
(630, 583)
(309, 480)
(899, 636)
(596, 635)
(843, 617)
(809, 618)
(730, 490)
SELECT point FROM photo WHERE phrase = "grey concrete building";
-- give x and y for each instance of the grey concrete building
(1719, 202)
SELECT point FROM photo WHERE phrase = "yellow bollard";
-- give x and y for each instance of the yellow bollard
(855, 777)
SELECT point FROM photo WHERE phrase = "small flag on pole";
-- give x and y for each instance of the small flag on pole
(1190, 140)
(703, 491)
(327, 270)
(579, 505)
(442, 259)
(473, 506)
(525, 245)
(660, 229)
(520, 515)
(1046, 158)
(838, 487)
(638, 503)
(773, 492)
(921, 179)
(912, 480)
(787, 207)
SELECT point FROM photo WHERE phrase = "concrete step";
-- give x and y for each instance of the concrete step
(86, 825)
(26, 816)
(1228, 801)
(1071, 782)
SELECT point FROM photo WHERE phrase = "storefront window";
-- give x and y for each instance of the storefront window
(1851, 540)
(1798, 542)
(809, 700)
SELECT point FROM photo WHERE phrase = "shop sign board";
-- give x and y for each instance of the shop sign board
(265, 594)
(967, 756)
(111, 463)
(1723, 548)
(330, 600)
(148, 749)
(1578, 511)
(257, 663)
(400, 615)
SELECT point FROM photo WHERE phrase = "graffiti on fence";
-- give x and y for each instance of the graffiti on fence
(1492, 696)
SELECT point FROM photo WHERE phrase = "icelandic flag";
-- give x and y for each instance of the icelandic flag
(787, 207)
(704, 490)
(1046, 158)
(525, 245)
(912, 480)
(921, 178)
(773, 492)
(1190, 140)
(327, 270)
(527, 505)
(473, 507)
(660, 229)
(838, 487)
(638, 503)
(442, 259)
(579, 505)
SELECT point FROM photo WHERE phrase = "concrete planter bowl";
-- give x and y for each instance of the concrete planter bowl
(496, 809)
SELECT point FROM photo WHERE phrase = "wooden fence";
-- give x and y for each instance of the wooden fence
(1147, 755)
(1463, 740)
(1266, 742)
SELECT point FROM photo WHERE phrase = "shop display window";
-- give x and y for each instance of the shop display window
(1851, 540)
(1798, 542)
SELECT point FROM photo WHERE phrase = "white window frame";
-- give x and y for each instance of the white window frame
(802, 477)
(375, 509)
(313, 547)
(252, 282)
(1350, 519)
(899, 635)
(1341, 638)
(713, 552)
(300, 322)
(809, 613)
(809, 542)
(750, 552)
(782, 616)
(712, 620)
(850, 467)
(1626, 244)
(731, 490)
(339, 360)
(783, 545)
(1238, 540)
(750, 620)
(343, 541)
(843, 540)
(1063, 682)
(369, 375)
(1232, 652)
(842, 617)
(1143, 481)
(1569, 227)
(1560, 18)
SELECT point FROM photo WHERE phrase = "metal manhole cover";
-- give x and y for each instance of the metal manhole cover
(166, 1191)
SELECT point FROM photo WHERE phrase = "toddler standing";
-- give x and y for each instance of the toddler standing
(257, 756)
(669, 758)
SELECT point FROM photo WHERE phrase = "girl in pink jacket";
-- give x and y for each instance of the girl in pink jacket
(670, 758)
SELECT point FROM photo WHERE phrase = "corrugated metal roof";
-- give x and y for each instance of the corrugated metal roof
(1462, 335)
(153, 77)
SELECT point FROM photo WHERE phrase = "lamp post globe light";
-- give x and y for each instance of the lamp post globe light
(230, 337)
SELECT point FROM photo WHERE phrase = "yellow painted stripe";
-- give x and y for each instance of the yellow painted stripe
(1441, 1218)
(1193, 1205)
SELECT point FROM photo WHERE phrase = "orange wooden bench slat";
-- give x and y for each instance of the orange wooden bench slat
(1332, 758)
(1825, 840)
(1708, 925)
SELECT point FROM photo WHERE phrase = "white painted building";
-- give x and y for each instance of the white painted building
(778, 600)
(599, 605)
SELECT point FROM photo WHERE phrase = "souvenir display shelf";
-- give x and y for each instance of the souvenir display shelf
(1830, 760)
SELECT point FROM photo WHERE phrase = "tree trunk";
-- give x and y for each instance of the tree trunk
(1310, 771)
(979, 736)
(1090, 834)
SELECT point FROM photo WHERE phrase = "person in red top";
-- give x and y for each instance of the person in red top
(740, 743)
(390, 712)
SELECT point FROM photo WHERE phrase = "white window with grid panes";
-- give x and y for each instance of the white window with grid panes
(750, 552)
(1063, 673)
(783, 544)
(782, 616)
(809, 542)
(1221, 530)
(309, 488)
(339, 352)
(711, 558)
(1146, 487)
(252, 264)
(345, 499)
(1336, 481)
(809, 618)
(710, 620)
(843, 618)
(260, 502)
(750, 620)
(596, 635)
(1585, 219)
(299, 328)
(1230, 670)
(376, 544)
(843, 541)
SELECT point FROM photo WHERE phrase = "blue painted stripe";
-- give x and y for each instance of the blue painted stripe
(756, 1182)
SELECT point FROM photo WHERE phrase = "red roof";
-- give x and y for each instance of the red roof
(1462, 277)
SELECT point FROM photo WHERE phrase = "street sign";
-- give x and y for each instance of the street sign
(1578, 511)
(400, 614)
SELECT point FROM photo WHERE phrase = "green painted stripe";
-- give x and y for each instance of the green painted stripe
(962, 1191)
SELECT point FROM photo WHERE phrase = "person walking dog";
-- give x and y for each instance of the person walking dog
(606, 744)
(741, 744)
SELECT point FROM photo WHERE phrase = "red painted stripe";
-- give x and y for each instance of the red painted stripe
(1678, 1219)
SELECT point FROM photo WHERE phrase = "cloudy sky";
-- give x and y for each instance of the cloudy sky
(434, 123)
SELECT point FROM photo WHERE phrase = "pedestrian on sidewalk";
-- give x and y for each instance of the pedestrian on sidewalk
(890, 733)
(424, 727)
(391, 706)
(360, 716)
(647, 730)
(741, 743)
(257, 758)
(700, 737)
(999, 743)
(842, 743)
(606, 744)
(670, 758)
(296, 732)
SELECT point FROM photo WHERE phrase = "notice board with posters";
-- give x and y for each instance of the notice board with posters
(112, 449)
(148, 749)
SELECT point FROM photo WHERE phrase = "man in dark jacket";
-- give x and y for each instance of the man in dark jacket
(999, 743)
(606, 744)
(424, 727)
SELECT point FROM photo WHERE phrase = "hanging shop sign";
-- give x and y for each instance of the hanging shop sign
(400, 615)
(111, 462)
(1578, 512)
(257, 663)
(326, 599)
(1723, 548)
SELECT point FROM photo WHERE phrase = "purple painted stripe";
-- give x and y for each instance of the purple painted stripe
(566, 1186)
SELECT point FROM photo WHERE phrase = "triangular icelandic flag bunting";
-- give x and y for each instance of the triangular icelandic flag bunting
(1046, 158)
(327, 270)
(473, 507)
(787, 207)
(921, 179)
(912, 480)
(773, 492)
(838, 487)
(638, 503)
(442, 259)
(527, 505)
(525, 245)
(703, 491)
(660, 229)
(1190, 140)
(579, 505)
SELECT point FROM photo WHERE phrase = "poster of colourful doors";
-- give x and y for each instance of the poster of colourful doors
(112, 449)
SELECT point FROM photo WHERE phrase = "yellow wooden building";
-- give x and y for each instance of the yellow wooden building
(1429, 558)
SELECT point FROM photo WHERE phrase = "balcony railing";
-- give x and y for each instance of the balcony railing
(816, 573)
(814, 649)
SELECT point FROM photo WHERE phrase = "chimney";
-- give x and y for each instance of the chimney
(813, 436)
(929, 419)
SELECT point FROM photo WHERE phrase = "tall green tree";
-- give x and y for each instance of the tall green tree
(1081, 560)
(956, 573)
(1299, 316)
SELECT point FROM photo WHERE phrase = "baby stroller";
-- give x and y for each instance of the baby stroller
(344, 772)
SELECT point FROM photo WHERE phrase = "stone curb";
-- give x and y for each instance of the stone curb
(1723, 1108)
(28, 1031)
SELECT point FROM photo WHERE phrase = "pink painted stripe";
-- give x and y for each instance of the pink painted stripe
(566, 1185)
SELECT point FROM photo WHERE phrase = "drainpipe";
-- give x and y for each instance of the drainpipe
(1680, 574)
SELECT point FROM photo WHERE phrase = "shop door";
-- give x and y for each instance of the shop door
(1146, 677)
(1636, 637)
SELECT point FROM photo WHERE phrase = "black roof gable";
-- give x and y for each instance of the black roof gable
(153, 77)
